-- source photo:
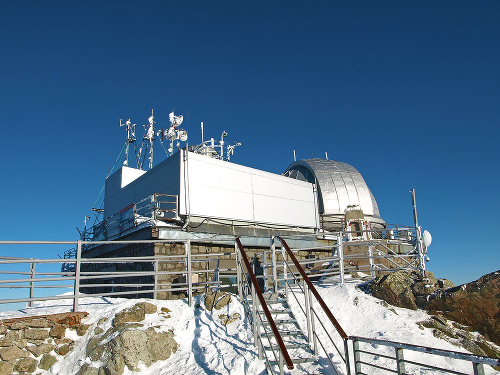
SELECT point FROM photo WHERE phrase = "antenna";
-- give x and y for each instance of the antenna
(130, 137)
(202, 132)
(326, 155)
(150, 133)
(294, 157)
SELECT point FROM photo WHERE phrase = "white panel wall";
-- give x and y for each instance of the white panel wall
(224, 190)
(163, 178)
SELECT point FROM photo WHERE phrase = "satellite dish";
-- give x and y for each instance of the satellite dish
(175, 121)
(427, 238)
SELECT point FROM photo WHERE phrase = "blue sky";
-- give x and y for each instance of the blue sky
(406, 92)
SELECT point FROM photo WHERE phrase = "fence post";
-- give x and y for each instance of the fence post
(313, 328)
(347, 360)
(275, 272)
(32, 283)
(400, 361)
(357, 360)
(341, 257)
(77, 275)
(188, 269)
(478, 368)
(239, 266)
(308, 315)
(372, 261)
(156, 278)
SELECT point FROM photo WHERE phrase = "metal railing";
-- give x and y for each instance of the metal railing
(309, 290)
(122, 276)
(250, 283)
(369, 355)
(365, 356)
(163, 207)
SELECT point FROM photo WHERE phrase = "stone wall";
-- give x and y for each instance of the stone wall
(36, 343)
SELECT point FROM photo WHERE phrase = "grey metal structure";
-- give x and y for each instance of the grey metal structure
(339, 185)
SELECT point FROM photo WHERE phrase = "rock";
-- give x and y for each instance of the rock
(38, 350)
(133, 347)
(17, 325)
(81, 330)
(26, 365)
(136, 313)
(47, 361)
(395, 289)
(216, 300)
(36, 334)
(38, 323)
(6, 368)
(452, 332)
(13, 352)
(63, 350)
(102, 321)
(476, 304)
(3, 329)
(150, 308)
(228, 319)
(58, 331)
(98, 331)
(161, 344)
(21, 344)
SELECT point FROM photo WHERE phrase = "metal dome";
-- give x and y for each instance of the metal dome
(339, 185)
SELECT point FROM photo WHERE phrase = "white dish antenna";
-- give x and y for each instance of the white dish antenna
(427, 238)
(175, 121)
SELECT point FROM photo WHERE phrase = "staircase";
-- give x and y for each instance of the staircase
(294, 339)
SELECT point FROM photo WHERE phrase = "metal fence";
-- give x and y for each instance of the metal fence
(140, 283)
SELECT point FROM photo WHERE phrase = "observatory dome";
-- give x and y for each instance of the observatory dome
(339, 185)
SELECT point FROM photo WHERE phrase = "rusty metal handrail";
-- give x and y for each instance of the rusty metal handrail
(262, 300)
(322, 303)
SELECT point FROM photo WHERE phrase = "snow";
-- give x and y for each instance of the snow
(208, 347)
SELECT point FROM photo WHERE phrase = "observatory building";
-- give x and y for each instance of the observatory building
(196, 194)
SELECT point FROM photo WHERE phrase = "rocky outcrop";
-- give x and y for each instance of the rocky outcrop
(32, 343)
(455, 311)
(476, 304)
(407, 289)
(461, 336)
(126, 343)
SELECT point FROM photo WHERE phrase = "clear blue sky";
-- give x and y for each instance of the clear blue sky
(406, 92)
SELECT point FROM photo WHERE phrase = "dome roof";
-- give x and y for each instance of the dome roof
(339, 185)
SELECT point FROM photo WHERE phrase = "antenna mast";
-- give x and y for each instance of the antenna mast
(150, 137)
(130, 137)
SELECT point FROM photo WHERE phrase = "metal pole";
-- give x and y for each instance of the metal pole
(156, 279)
(188, 266)
(239, 270)
(313, 329)
(341, 257)
(77, 275)
(357, 360)
(32, 283)
(273, 259)
(308, 314)
(420, 248)
(372, 265)
(347, 360)
(400, 361)
(478, 368)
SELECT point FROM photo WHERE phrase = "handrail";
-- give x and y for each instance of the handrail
(312, 288)
(270, 319)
